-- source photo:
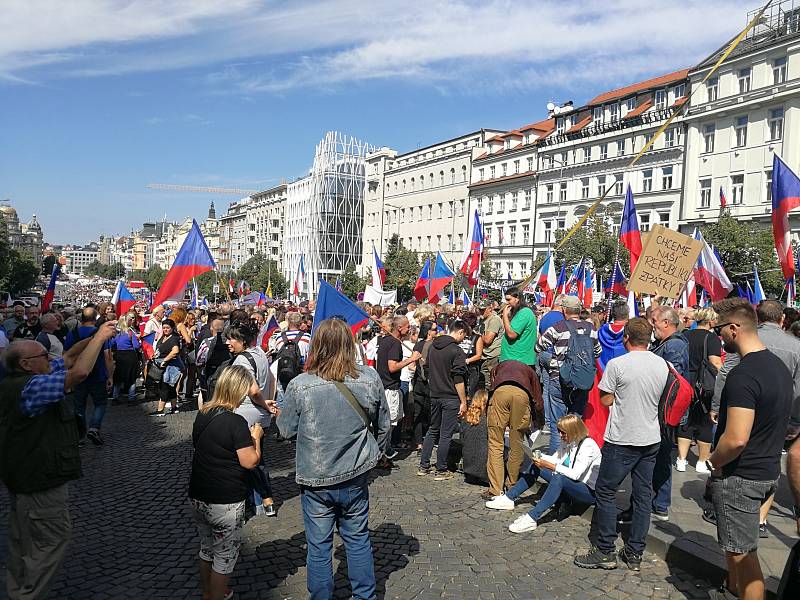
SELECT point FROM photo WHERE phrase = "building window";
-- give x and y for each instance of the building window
(712, 89)
(779, 70)
(679, 90)
(452, 175)
(528, 195)
(603, 151)
(526, 231)
(489, 234)
(631, 104)
(505, 169)
(548, 231)
(614, 112)
(744, 80)
(669, 137)
(516, 167)
(562, 192)
(618, 186)
(705, 193)
(508, 144)
(561, 224)
(514, 200)
(666, 178)
(547, 161)
(737, 189)
(548, 195)
(601, 185)
(413, 184)
(585, 188)
(621, 147)
(491, 172)
(530, 163)
(502, 207)
(647, 180)
(510, 266)
(451, 212)
(560, 125)
(463, 173)
(768, 177)
(598, 114)
(663, 219)
(644, 222)
(490, 205)
(461, 208)
(741, 132)
(512, 235)
(776, 124)
(661, 99)
(587, 154)
(708, 138)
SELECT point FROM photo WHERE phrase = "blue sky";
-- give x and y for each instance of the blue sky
(101, 97)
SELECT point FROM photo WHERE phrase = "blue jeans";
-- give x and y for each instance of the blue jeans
(662, 477)
(444, 418)
(97, 390)
(557, 485)
(346, 505)
(619, 461)
(131, 392)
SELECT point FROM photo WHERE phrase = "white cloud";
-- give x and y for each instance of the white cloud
(255, 46)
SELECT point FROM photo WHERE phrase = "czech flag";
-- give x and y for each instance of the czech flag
(689, 294)
(629, 233)
(546, 280)
(451, 298)
(51, 288)
(785, 197)
(758, 291)
(579, 282)
(464, 297)
(147, 345)
(562, 280)
(266, 332)
(618, 283)
(338, 285)
(710, 273)
(442, 275)
(423, 284)
(723, 202)
(473, 252)
(588, 287)
(378, 270)
(231, 284)
(633, 306)
(331, 303)
(791, 291)
(244, 287)
(122, 299)
(193, 259)
(195, 295)
(299, 279)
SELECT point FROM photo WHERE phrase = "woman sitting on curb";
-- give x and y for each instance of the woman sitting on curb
(571, 471)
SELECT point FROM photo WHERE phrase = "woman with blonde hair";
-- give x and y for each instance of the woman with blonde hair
(333, 409)
(570, 474)
(126, 350)
(705, 360)
(224, 450)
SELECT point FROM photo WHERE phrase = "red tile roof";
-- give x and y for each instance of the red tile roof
(497, 138)
(639, 87)
(680, 101)
(546, 125)
(580, 124)
(639, 109)
(514, 133)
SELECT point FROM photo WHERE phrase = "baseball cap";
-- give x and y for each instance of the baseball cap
(571, 302)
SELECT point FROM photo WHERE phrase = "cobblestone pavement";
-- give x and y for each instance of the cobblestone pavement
(133, 534)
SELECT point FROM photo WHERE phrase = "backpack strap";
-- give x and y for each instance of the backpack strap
(283, 337)
(350, 397)
(252, 362)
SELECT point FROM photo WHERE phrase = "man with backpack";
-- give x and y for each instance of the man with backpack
(289, 350)
(631, 386)
(574, 348)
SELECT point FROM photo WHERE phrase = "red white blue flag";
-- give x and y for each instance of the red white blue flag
(299, 279)
(378, 270)
(723, 202)
(122, 299)
(51, 288)
(442, 275)
(422, 287)
(629, 233)
(193, 259)
(473, 251)
(785, 197)
(709, 271)
(617, 283)
(331, 303)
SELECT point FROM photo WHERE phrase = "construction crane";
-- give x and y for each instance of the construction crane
(196, 188)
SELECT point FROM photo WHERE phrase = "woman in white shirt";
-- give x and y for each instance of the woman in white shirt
(571, 472)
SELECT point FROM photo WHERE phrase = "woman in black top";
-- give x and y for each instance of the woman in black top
(166, 355)
(224, 450)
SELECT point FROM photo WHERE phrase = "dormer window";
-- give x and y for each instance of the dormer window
(598, 114)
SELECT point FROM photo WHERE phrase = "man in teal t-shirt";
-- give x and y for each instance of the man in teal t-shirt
(519, 323)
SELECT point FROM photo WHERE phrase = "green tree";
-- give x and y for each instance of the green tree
(740, 244)
(18, 273)
(260, 272)
(154, 277)
(352, 283)
(402, 268)
(596, 241)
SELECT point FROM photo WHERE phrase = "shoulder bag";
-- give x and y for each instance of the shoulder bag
(350, 397)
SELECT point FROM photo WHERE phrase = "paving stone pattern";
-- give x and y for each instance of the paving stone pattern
(133, 534)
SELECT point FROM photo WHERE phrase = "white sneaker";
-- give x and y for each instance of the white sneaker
(500, 503)
(680, 465)
(522, 524)
(701, 468)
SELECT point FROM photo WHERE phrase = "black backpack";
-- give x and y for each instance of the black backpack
(290, 362)
(212, 381)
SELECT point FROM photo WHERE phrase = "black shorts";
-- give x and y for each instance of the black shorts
(698, 427)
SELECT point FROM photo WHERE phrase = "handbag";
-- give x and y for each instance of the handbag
(155, 372)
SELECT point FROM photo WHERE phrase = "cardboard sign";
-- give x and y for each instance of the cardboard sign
(667, 261)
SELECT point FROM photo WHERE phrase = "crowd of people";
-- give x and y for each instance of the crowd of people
(461, 388)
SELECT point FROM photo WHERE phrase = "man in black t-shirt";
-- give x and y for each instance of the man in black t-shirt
(389, 362)
(745, 465)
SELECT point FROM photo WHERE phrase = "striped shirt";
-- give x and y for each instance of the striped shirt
(556, 341)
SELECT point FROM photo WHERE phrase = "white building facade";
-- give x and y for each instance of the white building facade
(421, 196)
(740, 118)
(265, 223)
